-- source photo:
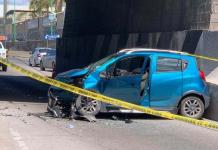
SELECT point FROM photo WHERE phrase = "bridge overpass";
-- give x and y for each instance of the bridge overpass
(96, 28)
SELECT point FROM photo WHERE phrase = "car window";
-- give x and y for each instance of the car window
(165, 64)
(43, 50)
(1, 46)
(51, 52)
(127, 66)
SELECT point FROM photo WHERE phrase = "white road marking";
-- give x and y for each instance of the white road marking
(16, 136)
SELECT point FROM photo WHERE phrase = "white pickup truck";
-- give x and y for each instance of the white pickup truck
(3, 54)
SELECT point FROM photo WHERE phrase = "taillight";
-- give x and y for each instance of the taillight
(202, 75)
(38, 55)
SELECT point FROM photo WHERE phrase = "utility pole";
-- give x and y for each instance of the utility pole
(51, 28)
(5, 11)
(14, 24)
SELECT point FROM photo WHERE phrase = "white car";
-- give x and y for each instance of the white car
(48, 61)
(3, 54)
(36, 56)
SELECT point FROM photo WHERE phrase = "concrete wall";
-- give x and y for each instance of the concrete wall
(30, 45)
(87, 17)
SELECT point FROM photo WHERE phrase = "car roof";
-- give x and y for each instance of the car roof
(150, 50)
(43, 48)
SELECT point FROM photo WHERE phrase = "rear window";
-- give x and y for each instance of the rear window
(165, 64)
(52, 52)
(43, 50)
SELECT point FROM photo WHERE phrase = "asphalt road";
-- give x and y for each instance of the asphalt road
(24, 125)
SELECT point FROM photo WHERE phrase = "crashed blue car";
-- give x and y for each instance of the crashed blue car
(159, 79)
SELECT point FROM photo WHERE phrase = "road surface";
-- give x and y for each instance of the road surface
(24, 125)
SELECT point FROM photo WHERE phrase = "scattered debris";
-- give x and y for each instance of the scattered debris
(4, 108)
(24, 121)
(76, 116)
(89, 118)
(70, 126)
(39, 115)
(114, 117)
(6, 115)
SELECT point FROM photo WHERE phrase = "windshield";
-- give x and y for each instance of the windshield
(95, 65)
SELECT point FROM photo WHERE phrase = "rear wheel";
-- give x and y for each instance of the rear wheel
(4, 68)
(42, 68)
(53, 66)
(192, 107)
(30, 63)
(87, 106)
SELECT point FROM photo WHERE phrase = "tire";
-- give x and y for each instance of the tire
(42, 68)
(34, 63)
(192, 107)
(30, 63)
(53, 66)
(87, 106)
(4, 68)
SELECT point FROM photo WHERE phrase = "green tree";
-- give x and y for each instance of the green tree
(41, 7)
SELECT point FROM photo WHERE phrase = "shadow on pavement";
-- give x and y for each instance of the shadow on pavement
(22, 89)
(212, 111)
(124, 116)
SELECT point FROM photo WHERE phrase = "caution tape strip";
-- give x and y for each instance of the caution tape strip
(204, 57)
(109, 100)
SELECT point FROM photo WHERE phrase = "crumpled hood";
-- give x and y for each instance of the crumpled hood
(73, 73)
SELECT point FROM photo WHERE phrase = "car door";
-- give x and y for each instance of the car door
(125, 79)
(166, 81)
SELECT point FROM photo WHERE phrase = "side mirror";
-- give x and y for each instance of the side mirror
(30, 53)
(103, 75)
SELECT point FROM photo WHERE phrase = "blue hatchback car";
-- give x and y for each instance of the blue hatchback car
(160, 79)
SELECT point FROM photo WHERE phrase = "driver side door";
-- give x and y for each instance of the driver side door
(125, 79)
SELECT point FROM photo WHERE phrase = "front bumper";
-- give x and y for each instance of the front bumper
(59, 96)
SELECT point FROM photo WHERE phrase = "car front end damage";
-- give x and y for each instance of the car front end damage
(61, 101)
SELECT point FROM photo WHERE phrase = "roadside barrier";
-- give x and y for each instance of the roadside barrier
(113, 101)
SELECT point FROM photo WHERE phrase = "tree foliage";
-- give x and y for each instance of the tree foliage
(41, 7)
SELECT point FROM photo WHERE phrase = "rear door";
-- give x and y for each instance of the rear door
(166, 81)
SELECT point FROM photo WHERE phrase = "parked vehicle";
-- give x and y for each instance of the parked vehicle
(159, 79)
(3, 54)
(48, 60)
(36, 55)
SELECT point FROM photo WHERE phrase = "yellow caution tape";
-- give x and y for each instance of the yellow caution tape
(109, 100)
(204, 57)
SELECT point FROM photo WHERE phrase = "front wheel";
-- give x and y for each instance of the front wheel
(87, 106)
(192, 107)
